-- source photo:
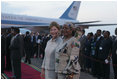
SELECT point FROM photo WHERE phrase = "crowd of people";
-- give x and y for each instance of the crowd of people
(65, 52)
(97, 51)
(30, 45)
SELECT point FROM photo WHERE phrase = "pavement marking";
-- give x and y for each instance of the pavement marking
(34, 67)
(4, 76)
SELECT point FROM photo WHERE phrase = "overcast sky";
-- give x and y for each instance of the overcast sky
(105, 11)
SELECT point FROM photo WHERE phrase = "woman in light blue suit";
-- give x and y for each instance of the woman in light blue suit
(48, 65)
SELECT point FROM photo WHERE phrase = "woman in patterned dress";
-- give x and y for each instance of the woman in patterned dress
(67, 54)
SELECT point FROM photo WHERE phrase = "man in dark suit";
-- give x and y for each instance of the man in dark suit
(87, 51)
(104, 53)
(8, 53)
(96, 65)
(82, 48)
(33, 42)
(2, 53)
(114, 55)
(27, 45)
(16, 51)
(37, 47)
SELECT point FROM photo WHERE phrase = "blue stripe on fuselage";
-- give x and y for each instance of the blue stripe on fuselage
(21, 22)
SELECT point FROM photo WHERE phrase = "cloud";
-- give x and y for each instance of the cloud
(98, 10)
(36, 8)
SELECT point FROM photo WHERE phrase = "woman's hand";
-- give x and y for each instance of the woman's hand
(42, 73)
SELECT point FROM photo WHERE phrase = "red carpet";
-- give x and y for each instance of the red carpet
(27, 72)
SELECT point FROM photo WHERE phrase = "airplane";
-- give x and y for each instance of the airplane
(41, 24)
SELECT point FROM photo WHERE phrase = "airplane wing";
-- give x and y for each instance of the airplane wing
(90, 25)
(85, 22)
(83, 26)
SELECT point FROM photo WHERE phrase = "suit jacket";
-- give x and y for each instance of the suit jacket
(2, 45)
(27, 42)
(97, 46)
(87, 50)
(16, 47)
(105, 48)
(82, 41)
(114, 51)
(8, 40)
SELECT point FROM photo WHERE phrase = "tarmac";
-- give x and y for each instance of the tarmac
(83, 75)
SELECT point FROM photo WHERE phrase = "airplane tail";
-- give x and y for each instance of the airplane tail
(72, 11)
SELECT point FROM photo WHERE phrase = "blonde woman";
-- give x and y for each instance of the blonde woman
(48, 65)
(67, 54)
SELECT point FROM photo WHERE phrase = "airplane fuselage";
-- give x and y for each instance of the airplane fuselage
(36, 24)
(8, 20)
